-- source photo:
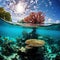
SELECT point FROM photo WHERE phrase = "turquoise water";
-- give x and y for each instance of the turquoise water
(11, 30)
(49, 33)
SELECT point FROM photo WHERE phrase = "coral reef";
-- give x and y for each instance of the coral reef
(30, 46)
(57, 57)
(1, 57)
(35, 42)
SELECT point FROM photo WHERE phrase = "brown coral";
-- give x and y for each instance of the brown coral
(35, 42)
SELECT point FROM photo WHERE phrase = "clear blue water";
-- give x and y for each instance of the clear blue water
(11, 30)
(49, 33)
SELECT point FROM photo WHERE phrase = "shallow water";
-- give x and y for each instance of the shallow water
(7, 29)
(48, 33)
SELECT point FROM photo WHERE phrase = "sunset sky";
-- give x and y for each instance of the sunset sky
(21, 8)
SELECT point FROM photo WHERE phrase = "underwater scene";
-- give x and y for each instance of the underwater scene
(29, 43)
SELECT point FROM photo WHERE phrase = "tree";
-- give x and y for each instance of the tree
(5, 15)
(2, 9)
(35, 18)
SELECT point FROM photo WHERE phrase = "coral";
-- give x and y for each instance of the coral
(35, 42)
(58, 42)
(7, 50)
(1, 57)
(40, 48)
(5, 38)
(57, 57)
(55, 48)
(22, 49)
(28, 47)
(49, 40)
(1, 42)
(19, 42)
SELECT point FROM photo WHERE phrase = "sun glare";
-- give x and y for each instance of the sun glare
(20, 8)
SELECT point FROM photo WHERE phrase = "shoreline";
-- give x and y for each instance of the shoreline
(29, 25)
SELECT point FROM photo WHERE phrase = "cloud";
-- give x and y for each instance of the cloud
(50, 20)
(17, 18)
(57, 21)
(31, 1)
(36, 1)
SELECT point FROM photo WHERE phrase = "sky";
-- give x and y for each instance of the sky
(21, 8)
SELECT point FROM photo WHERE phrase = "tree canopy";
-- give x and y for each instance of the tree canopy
(35, 18)
(5, 15)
